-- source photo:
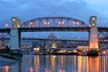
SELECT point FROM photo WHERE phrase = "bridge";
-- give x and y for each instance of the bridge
(54, 24)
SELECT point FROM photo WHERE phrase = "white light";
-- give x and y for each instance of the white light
(54, 45)
(89, 25)
(36, 49)
(31, 23)
(93, 24)
(18, 25)
(74, 51)
(75, 22)
(93, 18)
(13, 19)
(46, 22)
(59, 22)
(54, 56)
(6, 25)
(62, 22)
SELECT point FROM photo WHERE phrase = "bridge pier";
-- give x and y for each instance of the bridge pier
(14, 35)
(93, 37)
(19, 37)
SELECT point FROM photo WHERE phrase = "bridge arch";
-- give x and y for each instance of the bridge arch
(54, 22)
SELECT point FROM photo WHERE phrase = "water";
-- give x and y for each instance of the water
(36, 63)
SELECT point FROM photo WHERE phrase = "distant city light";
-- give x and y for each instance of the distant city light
(54, 45)
(74, 51)
(103, 52)
(36, 49)
(89, 25)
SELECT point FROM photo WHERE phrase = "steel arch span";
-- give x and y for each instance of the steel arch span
(53, 22)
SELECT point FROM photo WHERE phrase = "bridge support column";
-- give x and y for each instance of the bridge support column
(19, 35)
(14, 35)
(93, 34)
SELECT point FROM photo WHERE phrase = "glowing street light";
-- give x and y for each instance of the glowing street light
(103, 52)
(6, 25)
(18, 24)
(31, 23)
(36, 49)
(46, 22)
(75, 22)
(93, 25)
(93, 18)
(61, 22)
(14, 19)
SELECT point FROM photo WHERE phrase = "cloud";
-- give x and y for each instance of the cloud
(99, 5)
(58, 8)
(8, 0)
(97, 2)
(28, 9)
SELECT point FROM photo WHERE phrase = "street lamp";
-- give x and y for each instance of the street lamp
(93, 18)
(31, 23)
(6, 25)
(14, 19)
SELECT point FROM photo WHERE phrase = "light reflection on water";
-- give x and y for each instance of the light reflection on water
(60, 63)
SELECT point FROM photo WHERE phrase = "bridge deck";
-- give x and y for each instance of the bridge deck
(40, 29)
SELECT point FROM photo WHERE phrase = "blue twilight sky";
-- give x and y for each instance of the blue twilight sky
(29, 9)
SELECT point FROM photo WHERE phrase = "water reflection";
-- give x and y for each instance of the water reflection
(6, 68)
(59, 64)
(94, 64)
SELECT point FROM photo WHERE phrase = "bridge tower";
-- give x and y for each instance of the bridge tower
(14, 34)
(93, 34)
